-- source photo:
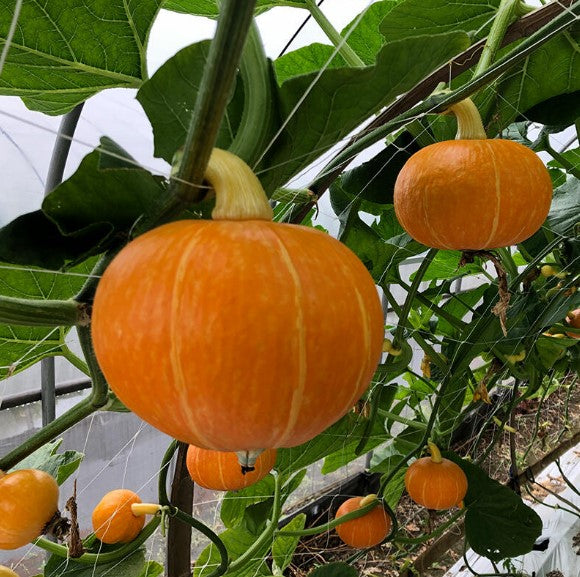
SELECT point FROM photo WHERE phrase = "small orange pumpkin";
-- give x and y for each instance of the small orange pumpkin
(573, 319)
(366, 531)
(435, 482)
(472, 193)
(113, 520)
(28, 501)
(253, 334)
(221, 471)
(5, 572)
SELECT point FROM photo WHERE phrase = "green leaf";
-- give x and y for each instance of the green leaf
(347, 452)
(497, 523)
(152, 569)
(169, 111)
(561, 110)
(395, 489)
(283, 547)
(34, 240)
(321, 110)
(351, 426)
(306, 60)
(131, 566)
(235, 503)
(415, 17)
(374, 180)
(365, 39)
(445, 265)
(237, 542)
(525, 85)
(60, 465)
(334, 570)
(210, 8)
(460, 305)
(114, 198)
(64, 52)
(21, 346)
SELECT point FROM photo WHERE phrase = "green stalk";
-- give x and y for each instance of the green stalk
(74, 360)
(100, 558)
(267, 535)
(504, 17)
(81, 410)
(349, 55)
(402, 420)
(185, 517)
(507, 261)
(258, 115)
(214, 92)
(205, 530)
(42, 313)
(412, 293)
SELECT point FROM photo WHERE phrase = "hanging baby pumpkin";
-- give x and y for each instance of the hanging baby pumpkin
(237, 334)
(435, 482)
(472, 193)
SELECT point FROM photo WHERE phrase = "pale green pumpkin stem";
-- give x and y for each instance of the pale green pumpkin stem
(435, 452)
(469, 125)
(239, 193)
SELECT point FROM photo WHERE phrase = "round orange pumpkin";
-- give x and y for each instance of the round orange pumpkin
(237, 334)
(221, 471)
(472, 193)
(113, 520)
(573, 319)
(435, 482)
(28, 501)
(5, 572)
(366, 531)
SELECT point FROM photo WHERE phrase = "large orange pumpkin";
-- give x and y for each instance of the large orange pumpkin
(435, 482)
(113, 520)
(5, 572)
(366, 531)
(237, 334)
(221, 471)
(472, 193)
(28, 501)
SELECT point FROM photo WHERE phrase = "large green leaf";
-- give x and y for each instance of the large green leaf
(235, 503)
(60, 465)
(497, 524)
(21, 346)
(210, 8)
(414, 17)
(95, 194)
(525, 85)
(321, 110)
(64, 52)
(101, 199)
(364, 38)
(169, 111)
(350, 427)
